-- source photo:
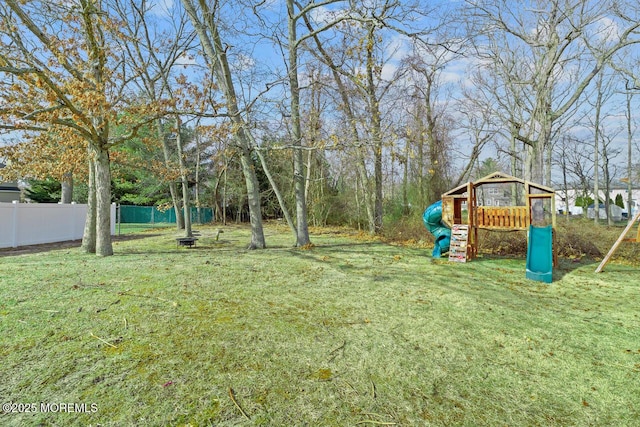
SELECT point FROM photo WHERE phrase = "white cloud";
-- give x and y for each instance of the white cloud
(388, 71)
(243, 62)
(186, 60)
(323, 15)
(607, 30)
(398, 47)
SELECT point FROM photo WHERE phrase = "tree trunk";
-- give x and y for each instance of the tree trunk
(405, 181)
(565, 185)
(513, 161)
(172, 185)
(307, 180)
(436, 149)
(253, 197)
(376, 133)
(302, 227)
(549, 156)
(536, 163)
(420, 161)
(67, 188)
(216, 53)
(607, 185)
(596, 154)
(89, 235)
(392, 190)
(197, 183)
(276, 190)
(177, 208)
(184, 179)
(377, 173)
(367, 193)
(357, 198)
(224, 193)
(103, 203)
(629, 163)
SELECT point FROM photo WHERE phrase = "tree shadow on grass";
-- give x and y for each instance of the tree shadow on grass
(69, 244)
(564, 267)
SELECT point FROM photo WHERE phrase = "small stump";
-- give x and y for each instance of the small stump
(186, 241)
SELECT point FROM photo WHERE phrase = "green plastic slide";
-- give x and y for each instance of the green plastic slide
(540, 254)
(432, 219)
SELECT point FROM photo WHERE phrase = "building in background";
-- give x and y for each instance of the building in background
(572, 195)
(9, 191)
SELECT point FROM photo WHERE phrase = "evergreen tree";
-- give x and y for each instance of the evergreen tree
(44, 191)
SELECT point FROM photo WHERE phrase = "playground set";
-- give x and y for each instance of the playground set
(457, 233)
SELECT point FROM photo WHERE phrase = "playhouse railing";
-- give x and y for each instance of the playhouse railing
(496, 218)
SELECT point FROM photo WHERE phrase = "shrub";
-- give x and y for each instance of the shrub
(575, 238)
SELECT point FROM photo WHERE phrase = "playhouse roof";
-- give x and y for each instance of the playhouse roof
(497, 178)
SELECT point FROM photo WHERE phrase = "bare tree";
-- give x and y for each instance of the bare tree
(342, 78)
(603, 134)
(630, 133)
(206, 21)
(356, 59)
(431, 123)
(574, 158)
(554, 48)
(478, 122)
(297, 13)
(560, 159)
(154, 54)
(609, 171)
(596, 151)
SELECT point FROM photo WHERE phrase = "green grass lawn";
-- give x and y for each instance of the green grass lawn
(127, 228)
(350, 332)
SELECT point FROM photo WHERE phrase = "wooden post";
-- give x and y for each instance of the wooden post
(553, 210)
(617, 243)
(472, 220)
(527, 191)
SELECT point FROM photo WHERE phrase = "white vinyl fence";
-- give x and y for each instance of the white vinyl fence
(24, 224)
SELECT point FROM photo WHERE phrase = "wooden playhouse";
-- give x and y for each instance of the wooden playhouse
(465, 209)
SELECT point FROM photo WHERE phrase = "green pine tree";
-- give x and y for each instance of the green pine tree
(44, 191)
